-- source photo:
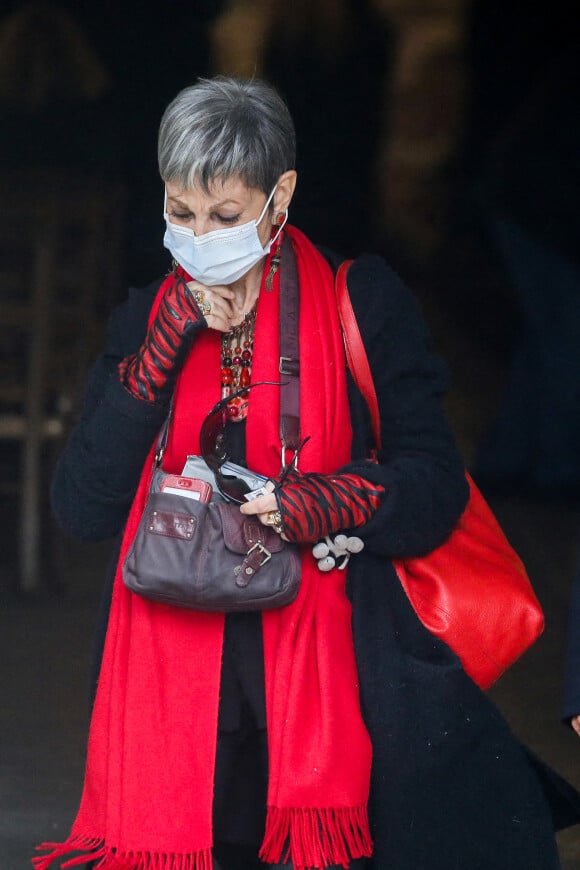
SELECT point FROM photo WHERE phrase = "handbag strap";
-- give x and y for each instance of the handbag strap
(356, 355)
(289, 365)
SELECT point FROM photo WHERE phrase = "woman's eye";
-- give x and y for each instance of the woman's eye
(181, 215)
(228, 220)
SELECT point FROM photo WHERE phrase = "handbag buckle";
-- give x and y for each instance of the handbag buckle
(260, 550)
(255, 558)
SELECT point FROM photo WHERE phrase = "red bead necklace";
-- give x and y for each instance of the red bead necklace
(236, 370)
(238, 344)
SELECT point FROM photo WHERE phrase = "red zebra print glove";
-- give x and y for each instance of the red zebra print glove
(315, 505)
(150, 374)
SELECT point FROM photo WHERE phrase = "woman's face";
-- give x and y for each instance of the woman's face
(228, 204)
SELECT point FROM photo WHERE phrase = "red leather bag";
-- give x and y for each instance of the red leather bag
(473, 591)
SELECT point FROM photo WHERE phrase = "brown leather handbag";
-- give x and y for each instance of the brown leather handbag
(208, 555)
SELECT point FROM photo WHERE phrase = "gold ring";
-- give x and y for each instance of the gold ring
(274, 518)
(199, 295)
(204, 307)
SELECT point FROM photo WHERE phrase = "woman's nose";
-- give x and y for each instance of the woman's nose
(201, 227)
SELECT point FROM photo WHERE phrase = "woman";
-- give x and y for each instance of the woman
(335, 731)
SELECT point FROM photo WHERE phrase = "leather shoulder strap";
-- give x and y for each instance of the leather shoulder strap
(289, 350)
(356, 355)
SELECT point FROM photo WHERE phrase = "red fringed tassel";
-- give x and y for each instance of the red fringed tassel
(316, 837)
(73, 844)
(110, 859)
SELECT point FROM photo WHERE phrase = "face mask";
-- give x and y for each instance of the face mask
(219, 257)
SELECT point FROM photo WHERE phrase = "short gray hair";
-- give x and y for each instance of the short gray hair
(226, 127)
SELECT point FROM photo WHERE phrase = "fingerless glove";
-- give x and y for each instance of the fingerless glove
(150, 374)
(315, 505)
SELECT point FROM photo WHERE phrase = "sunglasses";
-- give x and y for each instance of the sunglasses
(214, 450)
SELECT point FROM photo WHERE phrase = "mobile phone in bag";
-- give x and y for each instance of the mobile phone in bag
(189, 487)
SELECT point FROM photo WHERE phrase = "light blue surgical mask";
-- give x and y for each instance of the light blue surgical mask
(219, 257)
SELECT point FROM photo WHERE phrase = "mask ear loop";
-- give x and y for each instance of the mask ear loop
(280, 223)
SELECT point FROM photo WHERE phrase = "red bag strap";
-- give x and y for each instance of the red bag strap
(356, 355)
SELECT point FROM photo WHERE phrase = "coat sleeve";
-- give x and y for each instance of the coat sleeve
(571, 699)
(420, 465)
(99, 468)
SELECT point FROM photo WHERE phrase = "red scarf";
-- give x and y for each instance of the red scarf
(147, 798)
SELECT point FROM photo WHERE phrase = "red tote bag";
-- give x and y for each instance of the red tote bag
(473, 591)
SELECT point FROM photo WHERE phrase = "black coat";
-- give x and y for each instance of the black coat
(451, 786)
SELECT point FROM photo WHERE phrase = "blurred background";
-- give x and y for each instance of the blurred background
(442, 134)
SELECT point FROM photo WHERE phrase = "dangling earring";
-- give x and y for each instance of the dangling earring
(275, 261)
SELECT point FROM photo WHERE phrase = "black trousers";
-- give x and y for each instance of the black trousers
(241, 771)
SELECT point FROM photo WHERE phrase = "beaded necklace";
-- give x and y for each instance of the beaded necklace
(238, 344)
(236, 365)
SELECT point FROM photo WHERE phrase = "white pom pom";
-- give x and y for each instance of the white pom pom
(326, 564)
(320, 550)
(354, 545)
(340, 542)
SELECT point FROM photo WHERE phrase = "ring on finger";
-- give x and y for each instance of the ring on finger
(274, 519)
(199, 295)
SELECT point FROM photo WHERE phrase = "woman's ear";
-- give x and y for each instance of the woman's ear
(285, 187)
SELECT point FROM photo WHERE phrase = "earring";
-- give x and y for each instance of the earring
(275, 261)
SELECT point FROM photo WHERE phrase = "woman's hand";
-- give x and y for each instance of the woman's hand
(150, 374)
(575, 723)
(307, 507)
(265, 507)
(217, 305)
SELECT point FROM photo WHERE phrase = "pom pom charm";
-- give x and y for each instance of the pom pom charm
(355, 545)
(335, 553)
(320, 550)
(326, 564)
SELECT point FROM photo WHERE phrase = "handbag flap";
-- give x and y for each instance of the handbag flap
(243, 532)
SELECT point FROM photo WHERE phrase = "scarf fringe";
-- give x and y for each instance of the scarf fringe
(110, 859)
(316, 838)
